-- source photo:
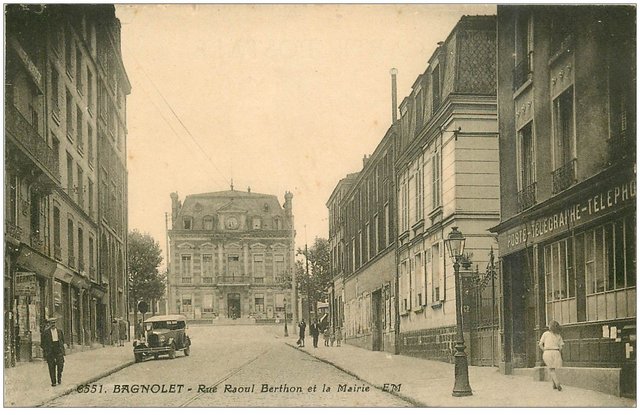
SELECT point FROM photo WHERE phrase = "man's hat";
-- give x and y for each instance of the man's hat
(51, 319)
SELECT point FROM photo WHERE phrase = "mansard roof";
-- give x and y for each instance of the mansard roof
(253, 204)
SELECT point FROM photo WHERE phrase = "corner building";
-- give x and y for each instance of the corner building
(231, 252)
(567, 122)
(66, 87)
(447, 175)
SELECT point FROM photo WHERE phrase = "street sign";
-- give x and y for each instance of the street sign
(143, 307)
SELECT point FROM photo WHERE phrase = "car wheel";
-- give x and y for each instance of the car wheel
(172, 352)
(187, 351)
(138, 357)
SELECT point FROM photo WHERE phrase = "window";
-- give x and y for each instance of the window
(207, 303)
(90, 144)
(257, 223)
(70, 248)
(435, 176)
(561, 28)
(259, 303)
(524, 49)
(563, 128)
(55, 91)
(92, 265)
(55, 146)
(278, 266)
(185, 267)
(375, 226)
(277, 223)
(79, 71)
(68, 51)
(186, 222)
(69, 115)
(526, 157)
(419, 197)
(56, 234)
(436, 293)
(13, 196)
(79, 123)
(80, 250)
(186, 303)
(419, 111)
(559, 275)
(419, 279)
(436, 87)
(233, 265)
(207, 265)
(208, 223)
(69, 174)
(90, 196)
(258, 268)
(80, 187)
(90, 90)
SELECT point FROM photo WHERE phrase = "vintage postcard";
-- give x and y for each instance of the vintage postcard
(319, 205)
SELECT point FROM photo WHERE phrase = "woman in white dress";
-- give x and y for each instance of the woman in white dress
(551, 344)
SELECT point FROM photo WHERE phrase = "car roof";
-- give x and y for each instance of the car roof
(178, 317)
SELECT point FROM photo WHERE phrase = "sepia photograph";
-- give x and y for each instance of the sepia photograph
(319, 205)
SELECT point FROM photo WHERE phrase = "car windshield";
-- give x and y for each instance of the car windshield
(167, 324)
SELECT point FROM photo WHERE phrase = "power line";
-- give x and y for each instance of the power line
(178, 118)
(167, 122)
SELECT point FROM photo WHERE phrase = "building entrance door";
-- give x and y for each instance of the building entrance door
(376, 306)
(233, 305)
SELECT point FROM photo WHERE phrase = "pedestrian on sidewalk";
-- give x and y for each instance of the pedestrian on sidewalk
(332, 336)
(115, 332)
(338, 336)
(326, 337)
(52, 344)
(314, 330)
(302, 326)
(551, 344)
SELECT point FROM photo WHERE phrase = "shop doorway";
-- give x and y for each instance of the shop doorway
(233, 305)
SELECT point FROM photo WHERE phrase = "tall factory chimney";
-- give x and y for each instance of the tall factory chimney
(394, 96)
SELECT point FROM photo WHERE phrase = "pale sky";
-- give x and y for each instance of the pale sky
(279, 97)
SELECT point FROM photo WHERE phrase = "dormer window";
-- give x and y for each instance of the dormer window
(207, 223)
(257, 223)
(187, 223)
(265, 207)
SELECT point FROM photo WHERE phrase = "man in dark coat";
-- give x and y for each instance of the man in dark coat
(314, 330)
(302, 326)
(52, 344)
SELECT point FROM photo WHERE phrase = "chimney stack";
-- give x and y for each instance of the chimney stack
(394, 96)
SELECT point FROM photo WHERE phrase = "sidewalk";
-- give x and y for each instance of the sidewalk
(429, 383)
(28, 384)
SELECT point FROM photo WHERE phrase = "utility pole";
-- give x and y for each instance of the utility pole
(306, 260)
(167, 296)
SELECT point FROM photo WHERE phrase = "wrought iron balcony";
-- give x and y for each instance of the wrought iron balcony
(207, 280)
(621, 148)
(522, 72)
(564, 177)
(29, 141)
(527, 197)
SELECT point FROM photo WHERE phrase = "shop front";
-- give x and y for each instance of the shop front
(573, 260)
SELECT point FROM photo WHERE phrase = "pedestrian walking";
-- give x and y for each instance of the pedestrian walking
(314, 330)
(551, 344)
(332, 336)
(52, 344)
(301, 327)
(115, 332)
(123, 331)
(338, 336)
(326, 337)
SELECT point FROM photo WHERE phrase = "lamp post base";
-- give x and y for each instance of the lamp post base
(461, 386)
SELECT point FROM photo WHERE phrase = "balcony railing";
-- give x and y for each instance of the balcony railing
(234, 280)
(527, 197)
(13, 231)
(36, 146)
(621, 148)
(521, 72)
(37, 242)
(564, 177)
(207, 280)
(186, 280)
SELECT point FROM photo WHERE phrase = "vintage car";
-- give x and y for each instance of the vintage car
(163, 335)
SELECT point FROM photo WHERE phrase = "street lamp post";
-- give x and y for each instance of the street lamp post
(455, 244)
(286, 331)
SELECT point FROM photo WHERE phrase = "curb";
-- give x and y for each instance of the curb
(406, 398)
(93, 379)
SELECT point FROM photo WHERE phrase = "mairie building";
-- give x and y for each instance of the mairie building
(230, 255)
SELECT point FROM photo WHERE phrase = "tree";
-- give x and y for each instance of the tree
(316, 284)
(146, 283)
